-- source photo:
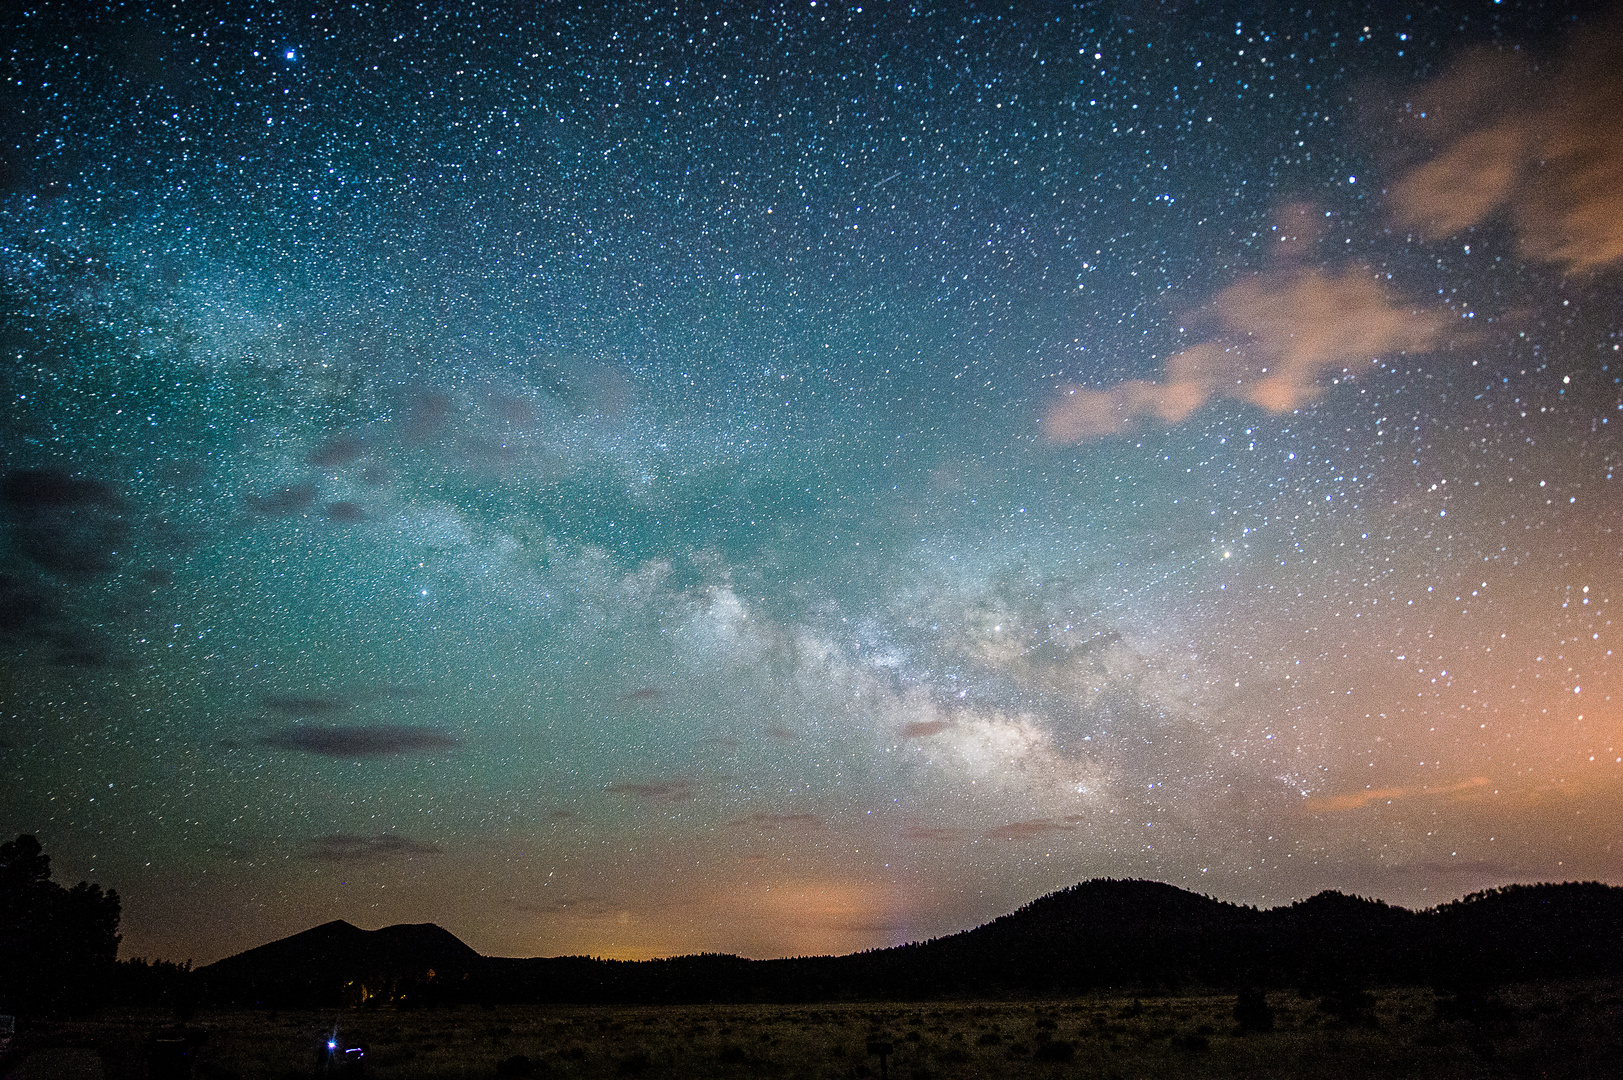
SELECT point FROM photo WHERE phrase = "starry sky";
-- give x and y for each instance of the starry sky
(796, 478)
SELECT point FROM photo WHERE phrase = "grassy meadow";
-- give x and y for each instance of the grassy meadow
(1540, 1030)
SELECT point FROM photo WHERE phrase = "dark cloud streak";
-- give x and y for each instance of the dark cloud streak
(349, 848)
(68, 525)
(382, 740)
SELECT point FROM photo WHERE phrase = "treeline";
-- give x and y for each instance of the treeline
(1144, 935)
(1126, 935)
(59, 946)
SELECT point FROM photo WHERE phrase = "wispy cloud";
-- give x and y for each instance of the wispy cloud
(561, 903)
(1541, 147)
(1027, 830)
(336, 452)
(380, 740)
(1354, 800)
(934, 832)
(1278, 336)
(1498, 138)
(283, 501)
(349, 848)
(70, 525)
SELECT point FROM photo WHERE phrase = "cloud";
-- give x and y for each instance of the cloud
(381, 740)
(337, 452)
(1027, 830)
(81, 649)
(283, 501)
(655, 790)
(932, 832)
(1358, 799)
(646, 695)
(69, 525)
(345, 512)
(920, 729)
(24, 610)
(41, 489)
(1539, 147)
(544, 904)
(1278, 335)
(348, 848)
(427, 414)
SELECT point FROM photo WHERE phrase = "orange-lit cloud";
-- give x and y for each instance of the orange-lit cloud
(1541, 148)
(934, 832)
(1027, 830)
(1357, 799)
(1279, 335)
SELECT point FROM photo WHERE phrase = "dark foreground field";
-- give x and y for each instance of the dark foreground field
(1568, 1030)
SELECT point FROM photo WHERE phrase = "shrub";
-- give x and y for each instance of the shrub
(1252, 1011)
(1193, 1044)
(634, 1064)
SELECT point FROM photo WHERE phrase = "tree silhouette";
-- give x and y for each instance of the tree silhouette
(57, 945)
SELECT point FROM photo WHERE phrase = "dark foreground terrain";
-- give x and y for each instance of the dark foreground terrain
(1572, 1029)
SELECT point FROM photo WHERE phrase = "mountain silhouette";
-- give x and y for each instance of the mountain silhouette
(1130, 935)
(337, 962)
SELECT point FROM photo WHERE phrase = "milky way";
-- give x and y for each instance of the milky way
(788, 479)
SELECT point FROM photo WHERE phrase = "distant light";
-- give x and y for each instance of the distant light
(291, 54)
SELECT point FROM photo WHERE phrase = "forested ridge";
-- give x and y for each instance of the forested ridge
(58, 953)
(1095, 935)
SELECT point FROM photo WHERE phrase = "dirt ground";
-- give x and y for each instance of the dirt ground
(1570, 1030)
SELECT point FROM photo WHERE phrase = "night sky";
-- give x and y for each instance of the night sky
(786, 479)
